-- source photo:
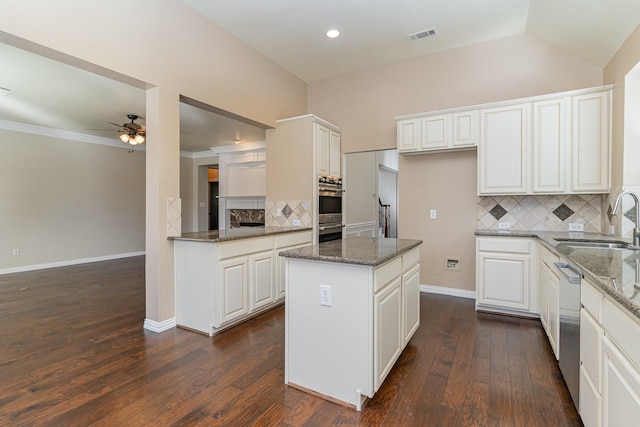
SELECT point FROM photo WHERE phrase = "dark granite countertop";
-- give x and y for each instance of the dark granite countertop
(214, 236)
(355, 250)
(612, 270)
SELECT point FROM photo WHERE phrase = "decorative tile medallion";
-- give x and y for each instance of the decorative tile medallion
(287, 211)
(498, 212)
(563, 212)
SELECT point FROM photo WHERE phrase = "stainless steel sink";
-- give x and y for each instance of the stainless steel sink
(586, 244)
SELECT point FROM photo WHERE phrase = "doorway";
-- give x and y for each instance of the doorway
(214, 192)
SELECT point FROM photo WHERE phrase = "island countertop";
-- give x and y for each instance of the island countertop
(214, 236)
(369, 251)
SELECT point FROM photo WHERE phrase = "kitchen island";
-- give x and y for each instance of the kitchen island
(225, 277)
(352, 306)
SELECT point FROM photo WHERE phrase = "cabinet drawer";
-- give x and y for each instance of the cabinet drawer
(291, 239)
(385, 274)
(591, 300)
(410, 259)
(504, 244)
(623, 330)
(548, 257)
(245, 246)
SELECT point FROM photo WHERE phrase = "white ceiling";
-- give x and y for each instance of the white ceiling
(292, 34)
(373, 32)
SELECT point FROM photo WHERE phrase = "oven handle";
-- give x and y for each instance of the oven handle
(569, 272)
(330, 226)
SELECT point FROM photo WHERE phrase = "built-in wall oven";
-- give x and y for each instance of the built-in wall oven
(329, 208)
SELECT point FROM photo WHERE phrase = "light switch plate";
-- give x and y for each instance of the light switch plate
(576, 226)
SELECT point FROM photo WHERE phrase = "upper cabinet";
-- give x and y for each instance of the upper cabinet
(552, 144)
(328, 146)
(502, 161)
(440, 132)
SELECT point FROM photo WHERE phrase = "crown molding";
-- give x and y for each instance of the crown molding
(65, 134)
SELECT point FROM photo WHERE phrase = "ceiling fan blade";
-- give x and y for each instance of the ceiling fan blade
(115, 124)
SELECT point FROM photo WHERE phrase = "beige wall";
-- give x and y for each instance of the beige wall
(614, 73)
(363, 105)
(67, 200)
(170, 52)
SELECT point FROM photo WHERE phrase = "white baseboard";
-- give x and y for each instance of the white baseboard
(153, 326)
(448, 291)
(32, 267)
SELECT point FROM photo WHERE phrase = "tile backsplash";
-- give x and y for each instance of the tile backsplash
(237, 217)
(284, 212)
(541, 213)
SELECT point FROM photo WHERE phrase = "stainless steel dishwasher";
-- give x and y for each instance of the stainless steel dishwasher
(569, 341)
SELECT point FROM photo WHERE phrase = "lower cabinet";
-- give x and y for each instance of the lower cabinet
(620, 388)
(388, 329)
(411, 303)
(234, 301)
(262, 292)
(361, 230)
(549, 292)
(221, 283)
(506, 275)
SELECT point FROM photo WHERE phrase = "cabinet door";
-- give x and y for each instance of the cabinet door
(550, 142)
(334, 154)
(233, 288)
(261, 280)
(503, 280)
(590, 402)
(503, 150)
(280, 267)
(465, 129)
(387, 330)
(590, 347)
(620, 388)
(409, 135)
(554, 313)
(436, 132)
(322, 146)
(543, 294)
(590, 143)
(410, 303)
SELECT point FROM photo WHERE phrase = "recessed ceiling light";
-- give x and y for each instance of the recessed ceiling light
(332, 34)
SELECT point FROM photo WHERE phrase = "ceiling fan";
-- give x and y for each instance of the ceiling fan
(131, 133)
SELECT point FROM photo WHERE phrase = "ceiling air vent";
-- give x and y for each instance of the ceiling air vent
(423, 34)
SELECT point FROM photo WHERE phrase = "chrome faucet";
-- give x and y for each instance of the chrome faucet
(618, 205)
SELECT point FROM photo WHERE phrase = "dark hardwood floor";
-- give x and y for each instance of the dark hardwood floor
(73, 353)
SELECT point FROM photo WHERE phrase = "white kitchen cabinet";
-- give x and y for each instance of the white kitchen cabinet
(465, 129)
(409, 135)
(368, 229)
(543, 295)
(234, 301)
(502, 153)
(388, 329)
(286, 242)
(410, 303)
(261, 269)
(550, 146)
(505, 279)
(440, 132)
(219, 284)
(436, 132)
(591, 146)
(328, 146)
(620, 388)
(554, 313)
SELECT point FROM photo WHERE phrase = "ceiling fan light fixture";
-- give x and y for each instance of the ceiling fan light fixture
(125, 138)
(139, 139)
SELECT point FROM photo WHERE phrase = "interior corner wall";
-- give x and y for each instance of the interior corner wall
(66, 200)
(363, 105)
(614, 73)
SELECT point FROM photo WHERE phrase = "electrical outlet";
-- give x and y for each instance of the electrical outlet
(433, 214)
(612, 230)
(576, 226)
(295, 222)
(504, 225)
(16, 252)
(325, 295)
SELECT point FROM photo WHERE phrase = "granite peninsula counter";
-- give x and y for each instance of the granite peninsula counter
(225, 277)
(352, 306)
